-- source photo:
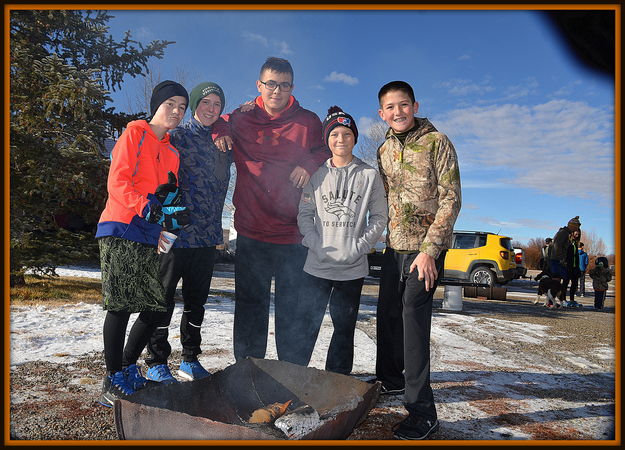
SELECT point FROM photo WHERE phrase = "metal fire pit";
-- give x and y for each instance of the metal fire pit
(220, 406)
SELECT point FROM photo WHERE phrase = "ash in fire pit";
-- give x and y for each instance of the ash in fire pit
(299, 422)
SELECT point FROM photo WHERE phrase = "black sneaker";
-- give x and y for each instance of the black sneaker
(385, 390)
(392, 391)
(114, 387)
(415, 428)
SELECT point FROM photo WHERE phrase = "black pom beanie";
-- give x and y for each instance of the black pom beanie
(338, 118)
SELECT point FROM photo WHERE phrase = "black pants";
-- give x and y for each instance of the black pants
(255, 264)
(599, 298)
(573, 278)
(582, 283)
(344, 300)
(404, 320)
(195, 267)
(116, 356)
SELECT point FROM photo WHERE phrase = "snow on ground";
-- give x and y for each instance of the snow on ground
(475, 384)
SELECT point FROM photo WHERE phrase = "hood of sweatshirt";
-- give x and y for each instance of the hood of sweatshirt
(144, 125)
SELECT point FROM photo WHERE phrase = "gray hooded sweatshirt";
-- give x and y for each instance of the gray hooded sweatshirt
(333, 219)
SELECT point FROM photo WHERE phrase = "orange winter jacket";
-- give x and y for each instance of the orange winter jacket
(139, 163)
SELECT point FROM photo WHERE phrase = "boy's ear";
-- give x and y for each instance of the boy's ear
(380, 114)
(416, 107)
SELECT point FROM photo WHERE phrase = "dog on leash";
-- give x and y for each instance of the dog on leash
(551, 289)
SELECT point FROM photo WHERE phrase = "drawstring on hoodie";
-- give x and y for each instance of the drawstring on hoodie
(337, 178)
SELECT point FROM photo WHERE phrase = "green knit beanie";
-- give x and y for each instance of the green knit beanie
(202, 90)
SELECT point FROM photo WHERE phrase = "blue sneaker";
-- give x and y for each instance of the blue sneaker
(160, 373)
(192, 370)
(115, 387)
(134, 377)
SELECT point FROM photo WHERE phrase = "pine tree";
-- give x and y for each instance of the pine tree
(64, 64)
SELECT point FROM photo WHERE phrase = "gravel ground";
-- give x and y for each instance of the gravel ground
(58, 401)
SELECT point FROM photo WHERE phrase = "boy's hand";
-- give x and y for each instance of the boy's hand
(247, 106)
(426, 268)
(299, 177)
(224, 143)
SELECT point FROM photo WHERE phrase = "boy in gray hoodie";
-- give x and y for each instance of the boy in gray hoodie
(333, 220)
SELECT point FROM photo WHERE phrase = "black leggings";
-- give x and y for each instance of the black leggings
(116, 356)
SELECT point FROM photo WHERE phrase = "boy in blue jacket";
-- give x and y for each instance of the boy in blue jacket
(583, 265)
(203, 179)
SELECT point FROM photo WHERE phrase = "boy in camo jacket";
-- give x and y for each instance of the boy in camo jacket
(419, 168)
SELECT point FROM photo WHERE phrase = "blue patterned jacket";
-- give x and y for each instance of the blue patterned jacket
(203, 178)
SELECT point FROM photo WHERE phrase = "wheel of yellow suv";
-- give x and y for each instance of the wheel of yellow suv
(483, 274)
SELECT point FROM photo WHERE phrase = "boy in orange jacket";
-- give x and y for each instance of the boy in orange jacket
(143, 199)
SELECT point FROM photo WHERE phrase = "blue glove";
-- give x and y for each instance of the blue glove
(169, 194)
(174, 217)
(169, 217)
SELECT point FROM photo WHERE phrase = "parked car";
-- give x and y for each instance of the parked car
(519, 259)
(476, 256)
(480, 257)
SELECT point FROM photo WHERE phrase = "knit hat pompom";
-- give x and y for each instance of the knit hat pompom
(334, 109)
(163, 91)
(575, 221)
(338, 118)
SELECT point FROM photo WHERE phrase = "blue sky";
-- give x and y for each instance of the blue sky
(533, 129)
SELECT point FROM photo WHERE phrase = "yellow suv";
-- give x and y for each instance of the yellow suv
(480, 257)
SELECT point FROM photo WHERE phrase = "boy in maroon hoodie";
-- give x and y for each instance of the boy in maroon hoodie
(277, 146)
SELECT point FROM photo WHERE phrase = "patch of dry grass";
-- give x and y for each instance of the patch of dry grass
(55, 291)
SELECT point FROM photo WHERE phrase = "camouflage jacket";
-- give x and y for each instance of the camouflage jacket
(422, 181)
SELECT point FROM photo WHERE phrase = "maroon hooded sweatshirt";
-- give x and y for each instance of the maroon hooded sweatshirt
(266, 150)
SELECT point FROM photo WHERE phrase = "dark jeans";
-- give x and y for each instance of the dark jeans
(344, 300)
(404, 320)
(255, 264)
(195, 267)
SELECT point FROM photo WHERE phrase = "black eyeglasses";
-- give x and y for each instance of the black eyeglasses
(272, 85)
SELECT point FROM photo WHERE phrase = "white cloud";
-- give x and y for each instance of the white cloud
(364, 124)
(317, 87)
(282, 47)
(144, 33)
(256, 38)
(465, 87)
(520, 90)
(479, 184)
(567, 90)
(339, 77)
(548, 147)
(464, 57)
(502, 224)
(373, 127)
